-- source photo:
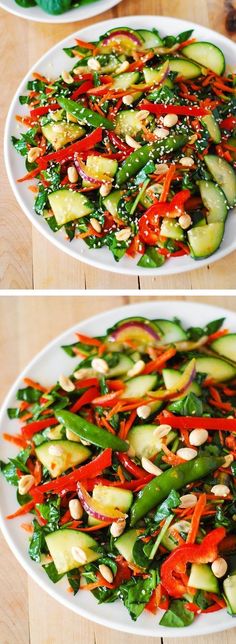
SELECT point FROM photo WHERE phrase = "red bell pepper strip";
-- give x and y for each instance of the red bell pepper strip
(86, 398)
(117, 142)
(85, 383)
(134, 485)
(130, 466)
(184, 110)
(229, 123)
(90, 470)
(33, 428)
(192, 422)
(149, 222)
(108, 400)
(189, 553)
(80, 146)
(44, 109)
(82, 89)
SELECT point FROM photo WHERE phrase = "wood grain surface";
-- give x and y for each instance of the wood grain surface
(27, 259)
(27, 614)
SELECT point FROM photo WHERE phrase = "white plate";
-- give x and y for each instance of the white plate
(52, 64)
(38, 15)
(45, 368)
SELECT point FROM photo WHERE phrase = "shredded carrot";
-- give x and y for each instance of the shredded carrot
(37, 473)
(196, 518)
(114, 410)
(22, 510)
(167, 182)
(216, 335)
(16, 440)
(26, 417)
(170, 457)
(85, 339)
(85, 45)
(107, 425)
(124, 428)
(34, 385)
(120, 474)
(156, 364)
(41, 78)
(27, 527)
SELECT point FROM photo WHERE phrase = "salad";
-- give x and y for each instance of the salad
(54, 7)
(128, 468)
(134, 148)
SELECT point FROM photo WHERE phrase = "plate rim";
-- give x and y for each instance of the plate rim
(58, 20)
(25, 562)
(115, 267)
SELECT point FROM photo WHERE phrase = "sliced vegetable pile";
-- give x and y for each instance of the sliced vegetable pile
(134, 149)
(54, 7)
(129, 468)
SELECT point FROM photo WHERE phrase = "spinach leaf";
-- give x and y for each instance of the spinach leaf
(55, 7)
(50, 511)
(9, 470)
(52, 573)
(37, 543)
(191, 405)
(41, 200)
(73, 577)
(136, 593)
(214, 326)
(185, 35)
(172, 501)
(201, 600)
(151, 258)
(21, 145)
(177, 615)
(29, 394)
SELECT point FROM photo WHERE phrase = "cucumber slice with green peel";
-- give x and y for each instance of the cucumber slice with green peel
(125, 544)
(141, 438)
(108, 63)
(215, 368)
(171, 377)
(110, 497)
(60, 544)
(204, 240)
(72, 453)
(224, 175)
(212, 127)
(151, 39)
(99, 166)
(171, 331)
(112, 200)
(184, 67)
(229, 586)
(232, 142)
(128, 122)
(138, 387)
(168, 540)
(55, 433)
(170, 228)
(206, 54)
(149, 196)
(156, 76)
(61, 133)
(202, 578)
(68, 205)
(123, 81)
(225, 346)
(125, 363)
(214, 201)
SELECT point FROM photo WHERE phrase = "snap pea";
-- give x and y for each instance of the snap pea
(91, 433)
(84, 115)
(175, 478)
(152, 151)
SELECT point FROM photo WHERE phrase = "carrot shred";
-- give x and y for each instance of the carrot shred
(170, 457)
(85, 339)
(107, 425)
(27, 527)
(154, 365)
(16, 440)
(167, 182)
(34, 385)
(196, 518)
(22, 510)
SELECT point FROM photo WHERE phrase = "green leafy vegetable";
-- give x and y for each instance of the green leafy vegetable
(177, 615)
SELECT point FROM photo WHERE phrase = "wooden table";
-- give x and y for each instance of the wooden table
(27, 614)
(27, 260)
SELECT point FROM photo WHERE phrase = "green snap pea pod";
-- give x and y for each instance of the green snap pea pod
(175, 478)
(89, 432)
(84, 115)
(152, 151)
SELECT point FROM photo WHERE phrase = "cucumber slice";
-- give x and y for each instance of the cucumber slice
(123, 81)
(206, 54)
(125, 544)
(214, 201)
(224, 175)
(202, 577)
(226, 346)
(141, 438)
(212, 127)
(151, 39)
(215, 368)
(171, 331)
(170, 228)
(184, 67)
(99, 166)
(61, 542)
(156, 76)
(112, 200)
(229, 586)
(128, 122)
(61, 133)
(72, 453)
(110, 497)
(204, 240)
(68, 205)
(124, 364)
(149, 196)
(171, 377)
(108, 63)
(168, 540)
(138, 387)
